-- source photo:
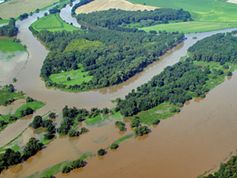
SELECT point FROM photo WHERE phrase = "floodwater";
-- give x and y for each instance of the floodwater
(184, 146)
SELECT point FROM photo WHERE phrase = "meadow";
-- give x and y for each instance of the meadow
(208, 15)
(73, 77)
(10, 45)
(52, 23)
(14, 8)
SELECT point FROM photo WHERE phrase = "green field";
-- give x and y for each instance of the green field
(219, 13)
(10, 45)
(3, 21)
(6, 96)
(82, 44)
(77, 77)
(190, 27)
(33, 105)
(102, 117)
(52, 23)
(160, 112)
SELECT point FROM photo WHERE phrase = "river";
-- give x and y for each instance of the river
(186, 145)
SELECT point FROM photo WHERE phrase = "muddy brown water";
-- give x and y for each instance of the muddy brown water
(186, 145)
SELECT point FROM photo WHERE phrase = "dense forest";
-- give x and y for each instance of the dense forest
(226, 170)
(184, 80)
(220, 48)
(175, 84)
(114, 18)
(10, 29)
(120, 56)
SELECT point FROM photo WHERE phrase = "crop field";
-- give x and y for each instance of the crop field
(52, 23)
(100, 5)
(207, 14)
(190, 27)
(70, 78)
(14, 8)
(9, 45)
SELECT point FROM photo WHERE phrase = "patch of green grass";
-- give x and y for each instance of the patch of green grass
(53, 170)
(52, 23)
(102, 117)
(160, 112)
(73, 77)
(33, 105)
(124, 138)
(4, 21)
(215, 79)
(190, 27)
(82, 44)
(206, 12)
(6, 96)
(10, 45)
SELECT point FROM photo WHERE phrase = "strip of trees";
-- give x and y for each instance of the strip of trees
(114, 18)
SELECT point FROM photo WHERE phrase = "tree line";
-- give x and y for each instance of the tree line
(219, 48)
(114, 18)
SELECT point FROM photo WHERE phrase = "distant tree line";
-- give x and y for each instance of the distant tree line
(10, 29)
(114, 18)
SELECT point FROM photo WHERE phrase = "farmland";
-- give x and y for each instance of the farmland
(213, 15)
(14, 8)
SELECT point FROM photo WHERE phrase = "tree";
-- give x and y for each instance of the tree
(101, 152)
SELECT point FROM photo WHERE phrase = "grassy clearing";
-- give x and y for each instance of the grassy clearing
(10, 45)
(73, 77)
(160, 112)
(211, 14)
(102, 117)
(82, 44)
(58, 167)
(14, 8)
(33, 105)
(6, 97)
(52, 23)
(191, 27)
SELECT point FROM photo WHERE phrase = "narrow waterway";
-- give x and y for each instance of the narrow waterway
(184, 146)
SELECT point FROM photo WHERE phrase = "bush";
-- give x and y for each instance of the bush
(114, 146)
(101, 152)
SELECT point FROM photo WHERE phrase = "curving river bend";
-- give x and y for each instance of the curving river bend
(198, 138)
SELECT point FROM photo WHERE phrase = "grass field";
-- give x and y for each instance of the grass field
(102, 117)
(219, 13)
(14, 8)
(3, 22)
(33, 105)
(6, 96)
(9, 45)
(82, 44)
(160, 112)
(52, 23)
(77, 77)
(190, 27)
